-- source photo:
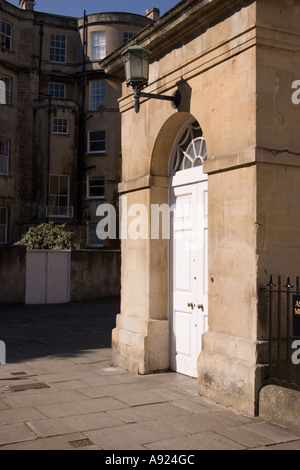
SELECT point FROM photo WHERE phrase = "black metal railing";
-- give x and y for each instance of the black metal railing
(282, 301)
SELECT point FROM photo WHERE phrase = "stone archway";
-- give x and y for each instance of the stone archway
(165, 142)
(141, 339)
(188, 248)
(162, 185)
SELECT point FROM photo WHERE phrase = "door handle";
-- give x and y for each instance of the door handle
(191, 305)
(201, 307)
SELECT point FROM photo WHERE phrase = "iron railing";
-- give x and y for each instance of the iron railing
(61, 212)
(280, 300)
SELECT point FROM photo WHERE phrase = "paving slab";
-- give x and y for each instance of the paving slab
(78, 408)
(41, 397)
(15, 433)
(64, 442)
(19, 415)
(134, 435)
(146, 413)
(75, 423)
(259, 434)
(200, 441)
(76, 384)
(144, 397)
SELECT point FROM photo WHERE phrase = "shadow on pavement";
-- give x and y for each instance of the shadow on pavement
(34, 331)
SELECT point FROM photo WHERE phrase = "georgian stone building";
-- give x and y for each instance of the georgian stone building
(229, 156)
(60, 148)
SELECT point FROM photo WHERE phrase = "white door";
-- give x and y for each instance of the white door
(188, 269)
(58, 276)
(47, 277)
(188, 275)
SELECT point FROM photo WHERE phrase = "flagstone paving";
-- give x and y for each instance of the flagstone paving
(60, 391)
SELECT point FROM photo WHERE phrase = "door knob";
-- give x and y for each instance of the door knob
(191, 305)
(201, 307)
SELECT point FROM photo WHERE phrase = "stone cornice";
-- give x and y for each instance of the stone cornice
(279, 38)
(183, 22)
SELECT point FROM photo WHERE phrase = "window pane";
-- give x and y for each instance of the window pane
(97, 146)
(98, 45)
(3, 216)
(57, 48)
(99, 135)
(7, 85)
(57, 90)
(97, 94)
(6, 35)
(53, 184)
(4, 156)
(3, 224)
(93, 239)
(96, 187)
(58, 204)
(4, 147)
(63, 201)
(97, 141)
(60, 126)
(127, 36)
(64, 185)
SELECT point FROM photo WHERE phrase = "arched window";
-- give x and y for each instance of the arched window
(190, 150)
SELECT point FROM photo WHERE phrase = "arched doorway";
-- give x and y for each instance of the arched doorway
(188, 306)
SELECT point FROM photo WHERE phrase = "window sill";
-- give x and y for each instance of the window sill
(100, 109)
(97, 154)
(96, 198)
(4, 49)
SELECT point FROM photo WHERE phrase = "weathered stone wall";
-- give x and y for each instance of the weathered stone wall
(94, 274)
(12, 275)
(278, 142)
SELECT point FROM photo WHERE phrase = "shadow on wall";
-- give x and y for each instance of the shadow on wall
(186, 96)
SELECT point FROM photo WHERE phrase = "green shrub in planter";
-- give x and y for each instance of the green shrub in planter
(47, 236)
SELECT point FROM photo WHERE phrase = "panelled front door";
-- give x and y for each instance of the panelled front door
(188, 268)
(188, 275)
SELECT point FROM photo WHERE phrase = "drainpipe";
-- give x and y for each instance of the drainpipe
(81, 133)
(48, 154)
(48, 150)
(41, 33)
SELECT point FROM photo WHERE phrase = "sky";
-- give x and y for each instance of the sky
(76, 7)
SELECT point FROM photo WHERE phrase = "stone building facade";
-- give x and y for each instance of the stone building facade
(60, 147)
(228, 159)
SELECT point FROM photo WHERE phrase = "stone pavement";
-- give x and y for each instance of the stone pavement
(60, 391)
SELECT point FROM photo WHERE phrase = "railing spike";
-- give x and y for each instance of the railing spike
(288, 283)
(271, 284)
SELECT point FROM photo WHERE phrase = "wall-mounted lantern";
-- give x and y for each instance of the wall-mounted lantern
(136, 59)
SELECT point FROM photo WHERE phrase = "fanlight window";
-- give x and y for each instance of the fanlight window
(191, 149)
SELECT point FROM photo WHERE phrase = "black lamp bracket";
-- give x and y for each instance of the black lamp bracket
(175, 98)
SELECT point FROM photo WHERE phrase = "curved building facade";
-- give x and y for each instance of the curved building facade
(60, 126)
